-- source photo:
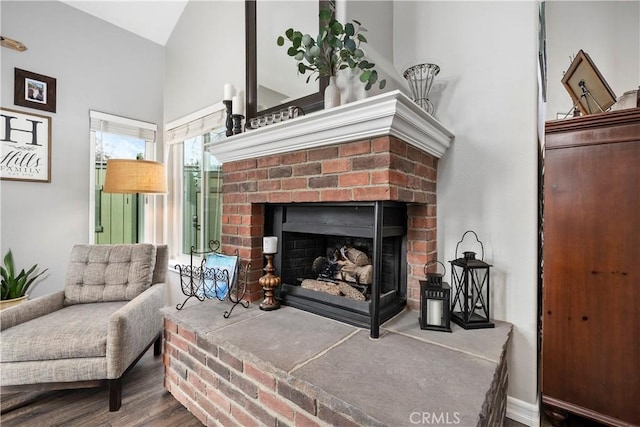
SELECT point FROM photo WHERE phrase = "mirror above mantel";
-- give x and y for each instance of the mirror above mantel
(273, 82)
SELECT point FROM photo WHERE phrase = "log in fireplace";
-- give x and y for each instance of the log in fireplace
(346, 261)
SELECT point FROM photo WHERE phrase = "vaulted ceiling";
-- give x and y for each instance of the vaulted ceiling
(151, 19)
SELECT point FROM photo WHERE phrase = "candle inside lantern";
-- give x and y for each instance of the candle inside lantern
(434, 308)
(236, 105)
(229, 91)
(270, 245)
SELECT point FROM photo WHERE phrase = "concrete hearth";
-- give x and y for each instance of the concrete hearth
(290, 367)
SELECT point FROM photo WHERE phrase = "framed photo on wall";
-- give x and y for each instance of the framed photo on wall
(25, 150)
(34, 91)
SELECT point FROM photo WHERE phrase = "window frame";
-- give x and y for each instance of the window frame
(176, 132)
(150, 204)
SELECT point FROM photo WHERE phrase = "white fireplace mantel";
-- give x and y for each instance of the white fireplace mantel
(391, 113)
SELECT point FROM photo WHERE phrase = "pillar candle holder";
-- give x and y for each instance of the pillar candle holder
(269, 282)
(237, 123)
(229, 121)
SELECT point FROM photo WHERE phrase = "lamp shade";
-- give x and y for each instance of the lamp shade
(127, 176)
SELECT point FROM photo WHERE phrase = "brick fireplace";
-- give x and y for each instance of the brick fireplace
(381, 149)
(288, 367)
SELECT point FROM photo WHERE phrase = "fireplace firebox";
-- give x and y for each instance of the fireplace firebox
(346, 260)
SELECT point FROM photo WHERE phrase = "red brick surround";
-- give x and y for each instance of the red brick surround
(381, 169)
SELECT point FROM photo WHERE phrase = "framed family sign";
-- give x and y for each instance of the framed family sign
(25, 150)
(34, 91)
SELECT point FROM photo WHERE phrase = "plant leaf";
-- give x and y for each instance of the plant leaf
(350, 44)
(289, 33)
(337, 28)
(349, 30)
(325, 14)
(15, 286)
(314, 51)
(322, 35)
(8, 262)
(362, 38)
(357, 22)
(383, 83)
(364, 77)
(307, 40)
(280, 41)
(373, 77)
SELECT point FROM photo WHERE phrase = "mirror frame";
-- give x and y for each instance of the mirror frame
(309, 103)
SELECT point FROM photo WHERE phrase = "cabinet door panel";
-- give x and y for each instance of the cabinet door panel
(591, 294)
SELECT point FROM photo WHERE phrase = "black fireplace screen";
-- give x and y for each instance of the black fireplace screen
(346, 261)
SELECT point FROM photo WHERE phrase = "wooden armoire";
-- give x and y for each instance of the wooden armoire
(591, 268)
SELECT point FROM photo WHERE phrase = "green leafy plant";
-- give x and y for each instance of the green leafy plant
(336, 48)
(13, 286)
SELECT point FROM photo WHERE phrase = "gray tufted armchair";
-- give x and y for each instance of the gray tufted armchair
(92, 332)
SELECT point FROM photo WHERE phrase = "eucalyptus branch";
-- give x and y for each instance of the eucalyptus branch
(337, 47)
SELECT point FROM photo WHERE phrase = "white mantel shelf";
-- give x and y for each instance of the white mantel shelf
(391, 113)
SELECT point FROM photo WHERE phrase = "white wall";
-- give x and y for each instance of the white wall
(608, 31)
(486, 93)
(97, 66)
(205, 51)
(377, 16)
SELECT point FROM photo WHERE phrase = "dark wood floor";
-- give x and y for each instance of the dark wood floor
(145, 402)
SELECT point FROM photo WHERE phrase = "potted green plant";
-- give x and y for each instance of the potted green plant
(13, 288)
(336, 48)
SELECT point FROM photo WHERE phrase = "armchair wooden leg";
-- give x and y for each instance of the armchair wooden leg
(157, 346)
(115, 394)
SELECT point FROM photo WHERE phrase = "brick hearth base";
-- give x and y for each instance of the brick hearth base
(292, 368)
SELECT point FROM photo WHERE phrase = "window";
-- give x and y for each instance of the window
(119, 218)
(195, 180)
(202, 196)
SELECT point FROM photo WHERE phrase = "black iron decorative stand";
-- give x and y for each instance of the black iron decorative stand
(229, 122)
(194, 280)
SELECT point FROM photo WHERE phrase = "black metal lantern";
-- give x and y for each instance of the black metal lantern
(435, 297)
(470, 279)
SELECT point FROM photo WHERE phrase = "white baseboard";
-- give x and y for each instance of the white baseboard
(523, 412)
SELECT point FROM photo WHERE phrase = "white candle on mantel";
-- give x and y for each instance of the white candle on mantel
(229, 91)
(434, 310)
(270, 245)
(236, 105)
